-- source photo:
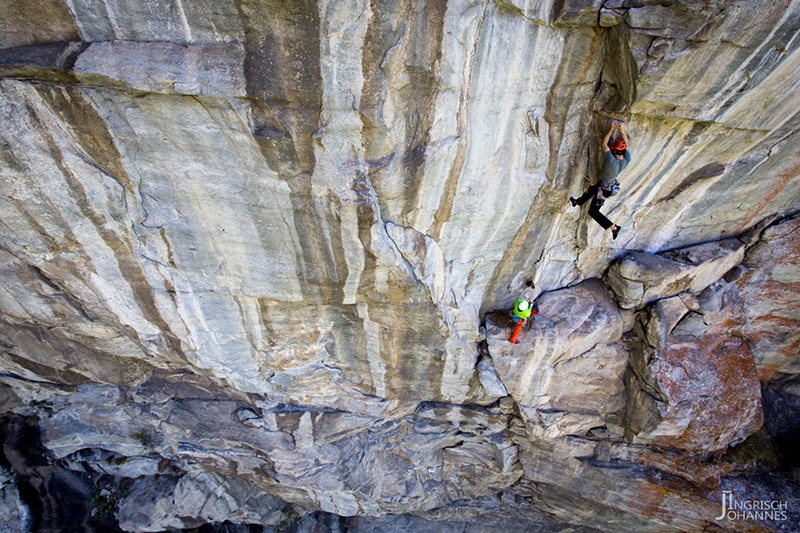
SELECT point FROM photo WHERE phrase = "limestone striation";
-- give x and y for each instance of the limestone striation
(257, 260)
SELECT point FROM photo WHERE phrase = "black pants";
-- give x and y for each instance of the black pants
(594, 207)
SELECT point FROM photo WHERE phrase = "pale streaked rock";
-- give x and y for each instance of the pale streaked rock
(249, 249)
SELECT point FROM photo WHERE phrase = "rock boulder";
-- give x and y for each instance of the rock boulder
(566, 372)
(695, 387)
(640, 278)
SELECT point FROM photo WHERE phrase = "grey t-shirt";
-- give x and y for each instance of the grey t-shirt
(613, 166)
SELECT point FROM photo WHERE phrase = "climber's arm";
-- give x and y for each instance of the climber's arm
(622, 133)
(608, 137)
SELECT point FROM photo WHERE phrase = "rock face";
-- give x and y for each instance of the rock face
(697, 387)
(768, 285)
(566, 373)
(257, 257)
(641, 278)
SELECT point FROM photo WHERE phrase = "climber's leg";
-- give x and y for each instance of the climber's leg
(517, 330)
(590, 193)
(600, 218)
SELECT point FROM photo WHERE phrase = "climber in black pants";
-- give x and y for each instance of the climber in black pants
(616, 157)
(595, 194)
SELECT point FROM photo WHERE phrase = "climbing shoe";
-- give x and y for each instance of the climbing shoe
(615, 232)
(573, 201)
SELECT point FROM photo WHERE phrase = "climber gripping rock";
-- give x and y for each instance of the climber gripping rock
(616, 157)
(523, 309)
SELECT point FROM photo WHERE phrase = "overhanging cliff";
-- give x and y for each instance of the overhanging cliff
(257, 258)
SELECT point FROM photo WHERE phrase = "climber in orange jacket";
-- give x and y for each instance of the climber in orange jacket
(616, 157)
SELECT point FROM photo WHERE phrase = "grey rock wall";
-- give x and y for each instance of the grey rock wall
(258, 256)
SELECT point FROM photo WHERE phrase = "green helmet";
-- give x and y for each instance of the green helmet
(522, 308)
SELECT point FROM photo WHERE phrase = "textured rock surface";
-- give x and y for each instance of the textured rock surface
(697, 388)
(15, 513)
(769, 288)
(640, 278)
(566, 373)
(181, 503)
(256, 260)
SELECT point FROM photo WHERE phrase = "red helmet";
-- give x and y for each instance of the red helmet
(619, 145)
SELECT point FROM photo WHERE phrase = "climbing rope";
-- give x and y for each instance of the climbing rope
(575, 167)
(537, 272)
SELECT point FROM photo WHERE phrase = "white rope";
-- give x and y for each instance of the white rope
(538, 271)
